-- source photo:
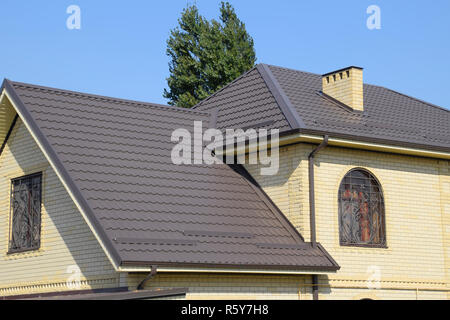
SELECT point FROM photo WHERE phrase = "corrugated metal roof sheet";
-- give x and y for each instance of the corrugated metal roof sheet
(118, 154)
(388, 115)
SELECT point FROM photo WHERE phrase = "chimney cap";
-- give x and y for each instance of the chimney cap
(339, 70)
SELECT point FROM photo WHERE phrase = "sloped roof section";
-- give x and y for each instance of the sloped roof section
(247, 102)
(115, 157)
(388, 117)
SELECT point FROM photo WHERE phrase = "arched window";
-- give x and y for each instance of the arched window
(361, 210)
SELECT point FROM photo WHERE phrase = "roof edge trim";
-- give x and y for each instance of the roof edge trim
(362, 144)
(61, 172)
(132, 266)
(281, 98)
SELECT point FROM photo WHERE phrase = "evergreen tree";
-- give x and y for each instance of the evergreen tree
(206, 55)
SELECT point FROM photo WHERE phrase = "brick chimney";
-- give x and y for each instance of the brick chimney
(346, 86)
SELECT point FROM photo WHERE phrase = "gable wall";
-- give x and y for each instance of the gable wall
(417, 198)
(66, 240)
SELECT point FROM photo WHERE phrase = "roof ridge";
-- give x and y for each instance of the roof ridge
(106, 98)
(286, 107)
(368, 84)
(414, 98)
(291, 69)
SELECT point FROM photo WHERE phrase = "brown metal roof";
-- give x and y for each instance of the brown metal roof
(293, 99)
(115, 157)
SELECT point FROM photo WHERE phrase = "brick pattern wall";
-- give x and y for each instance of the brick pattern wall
(416, 197)
(444, 175)
(66, 239)
(229, 286)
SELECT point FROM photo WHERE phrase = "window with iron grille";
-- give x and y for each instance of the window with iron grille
(25, 227)
(361, 210)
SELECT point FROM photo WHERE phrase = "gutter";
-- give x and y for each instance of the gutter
(134, 268)
(312, 208)
(312, 202)
(294, 137)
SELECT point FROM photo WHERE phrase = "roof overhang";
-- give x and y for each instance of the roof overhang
(134, 269)
(303, 136)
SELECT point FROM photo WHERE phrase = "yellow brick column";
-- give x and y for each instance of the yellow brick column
(444, 177)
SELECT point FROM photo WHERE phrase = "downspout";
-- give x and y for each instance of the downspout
(147, 278)
(312, 208)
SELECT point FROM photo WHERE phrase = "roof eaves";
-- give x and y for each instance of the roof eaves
(281, 98)
(61, 171)
(241, 268)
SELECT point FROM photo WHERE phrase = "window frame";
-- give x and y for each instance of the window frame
(11, 195)
(383, 244)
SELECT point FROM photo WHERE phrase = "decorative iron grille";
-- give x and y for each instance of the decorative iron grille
(361, 210)
(26, 213)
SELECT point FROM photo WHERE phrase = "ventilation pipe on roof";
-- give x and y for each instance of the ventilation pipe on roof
(312, 209)
(147, 278)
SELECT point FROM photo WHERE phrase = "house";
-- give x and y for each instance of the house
(92, 206)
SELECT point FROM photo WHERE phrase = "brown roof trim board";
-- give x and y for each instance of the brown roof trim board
(50, 295)
(59, 167)
(282, 100)
(124, 295)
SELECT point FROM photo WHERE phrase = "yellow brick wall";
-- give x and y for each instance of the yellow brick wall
(66, 239)
(444, 181)
(229, 286)
(417, 203)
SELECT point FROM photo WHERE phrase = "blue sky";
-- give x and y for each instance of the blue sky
(120, 49)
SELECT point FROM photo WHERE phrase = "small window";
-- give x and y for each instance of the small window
(361, 210)
(25, 213)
